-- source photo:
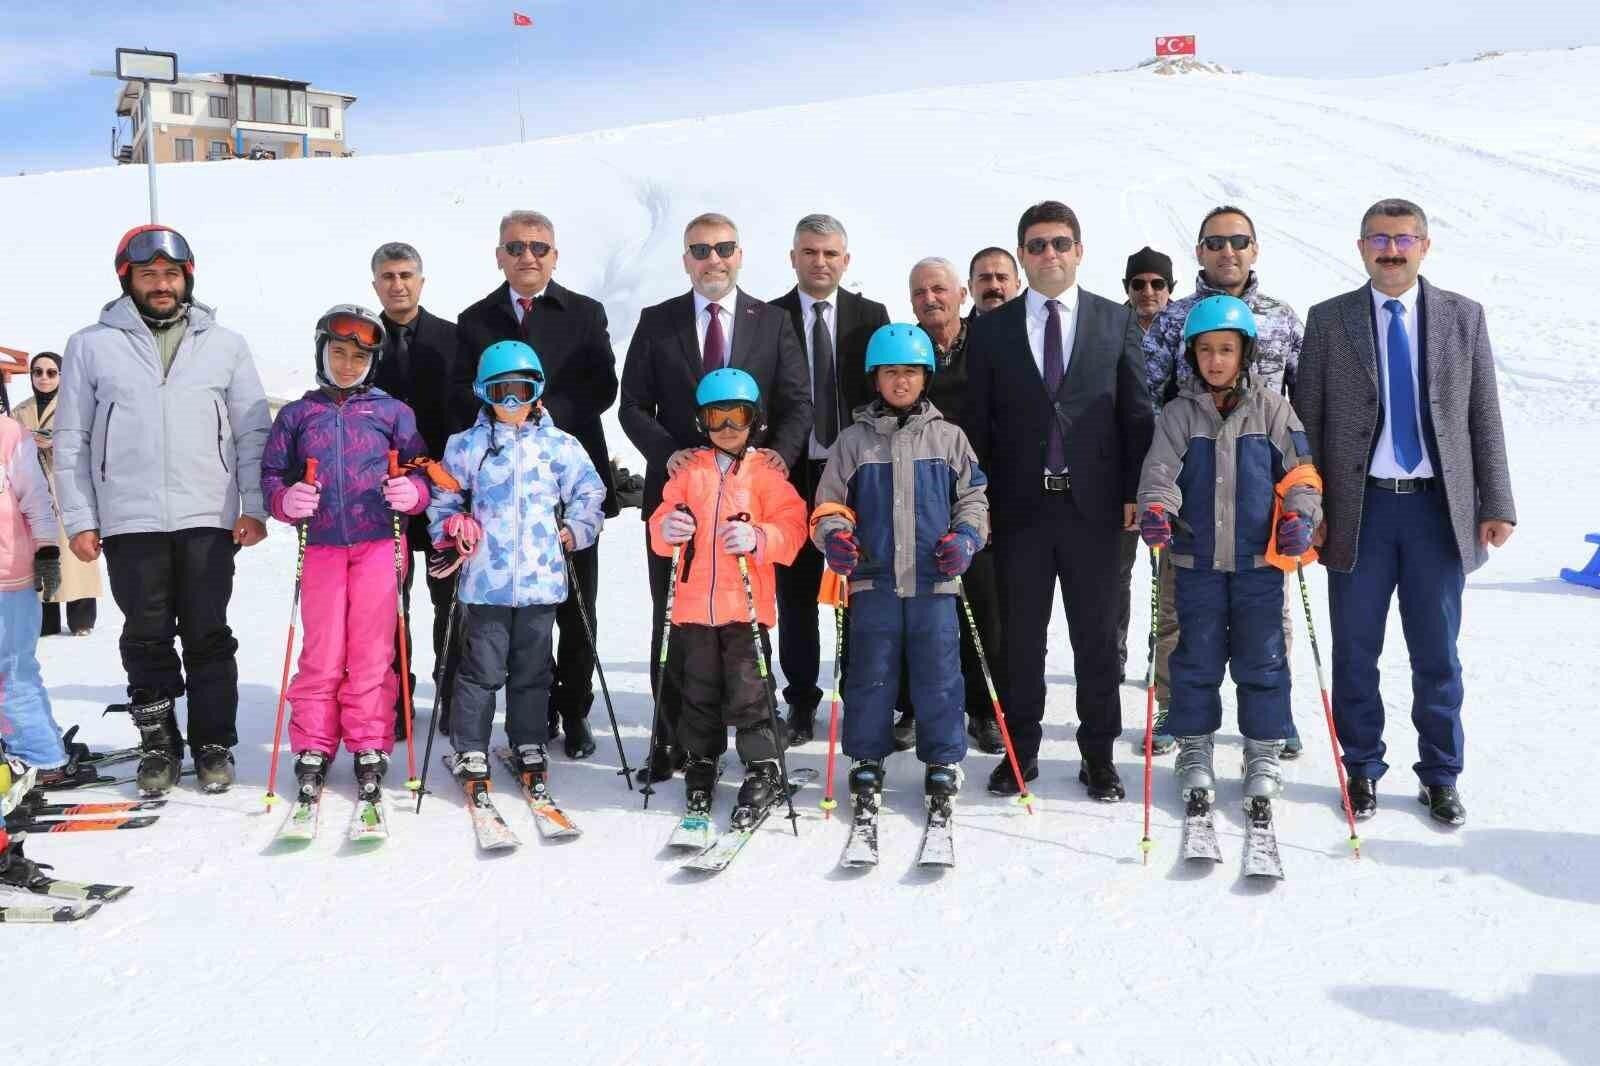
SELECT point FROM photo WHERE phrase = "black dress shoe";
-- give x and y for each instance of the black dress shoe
(1004, 783)
(802, 724)
(1443, 803)
(985, 733)
(555, 723)
(659, 766)
(580, 740)
(1100, 777)
(1363, 797)
(905, 732)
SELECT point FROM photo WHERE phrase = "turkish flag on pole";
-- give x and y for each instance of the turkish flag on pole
(519, 19)
(1175, 46)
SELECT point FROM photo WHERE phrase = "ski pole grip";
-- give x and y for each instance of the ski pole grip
(310, 477)
(394, 463)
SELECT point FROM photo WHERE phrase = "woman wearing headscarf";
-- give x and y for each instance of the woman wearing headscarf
(80, 581)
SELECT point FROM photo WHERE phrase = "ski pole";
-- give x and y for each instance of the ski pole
(576, 594)
(1327, 711)
(841, 597)
(1024, 797)
(766, 679)
(400, 626)
(661, 664)
(1145, 843)
(310, 478)
(439, 672)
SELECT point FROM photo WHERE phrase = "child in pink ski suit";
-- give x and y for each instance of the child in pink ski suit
(346, 685)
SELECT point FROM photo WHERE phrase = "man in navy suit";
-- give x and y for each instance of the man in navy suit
(1061, 418)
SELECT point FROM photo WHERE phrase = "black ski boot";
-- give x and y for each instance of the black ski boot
(163, 747)
(213, 768)
(763, 786)
(941, 781)
(310, 773)
(371, 765)
(699, 782)
(866, 784)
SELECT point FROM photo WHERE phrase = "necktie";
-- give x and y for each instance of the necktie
(824, 390)
(715, 345)
(526, 303)
(1405, 434)
(1055, 368)
(402, 354)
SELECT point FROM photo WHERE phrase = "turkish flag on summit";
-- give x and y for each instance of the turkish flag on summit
(1175, 46)
(519, 19)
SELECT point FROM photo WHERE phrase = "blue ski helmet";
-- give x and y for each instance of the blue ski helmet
(900, 344)
(508, 359)
(728, 385)
(1219, 312)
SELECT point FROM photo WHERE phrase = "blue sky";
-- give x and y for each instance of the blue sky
(437, 75)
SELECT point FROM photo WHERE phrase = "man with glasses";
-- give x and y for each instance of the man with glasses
(834, 325)
(569, 332)
(1060, 417)
(1397, 391)
(992, 279)
(675, 344)
(1226, 251)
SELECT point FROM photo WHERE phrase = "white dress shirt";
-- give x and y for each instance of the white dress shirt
(702, 322)
(1384, 463)
(516, 308)
(830, 319)
(1039, 317)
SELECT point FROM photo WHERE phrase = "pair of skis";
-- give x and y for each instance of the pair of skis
(716, 853)
(75, 900)
(369, 823)
(938, 848)
(489, 826)
(1261, 858)
(36, 816)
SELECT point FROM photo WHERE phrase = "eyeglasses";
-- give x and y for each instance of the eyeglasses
(727, 416)
(46, 372)
(1153, 284)
(362, 331)
(724, 249)
(1237, 241)
(1401, 242)
(514, 249)
(1037, 245)
(512, 393)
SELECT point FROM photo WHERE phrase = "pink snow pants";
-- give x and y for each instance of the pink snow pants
(346, 685)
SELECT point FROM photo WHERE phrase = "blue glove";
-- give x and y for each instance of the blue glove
(1294, 535)
(842, 551)
(954, 551)
(1154, 526)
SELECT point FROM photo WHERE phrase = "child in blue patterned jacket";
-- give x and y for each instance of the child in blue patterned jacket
(528, 495)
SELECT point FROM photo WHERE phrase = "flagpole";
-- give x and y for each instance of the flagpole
(522, 126)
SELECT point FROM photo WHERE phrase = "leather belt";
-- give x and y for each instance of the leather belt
(1403, 486)
(1057, 483)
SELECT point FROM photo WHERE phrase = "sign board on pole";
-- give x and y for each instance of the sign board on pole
(1175, 46)
(136, 64)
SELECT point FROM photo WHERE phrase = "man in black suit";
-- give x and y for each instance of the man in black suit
(678, 342)
(1061, 418)
(417, 355)
(570, 335)
(834, 326)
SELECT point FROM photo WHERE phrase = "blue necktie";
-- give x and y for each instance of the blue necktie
(1405, 434)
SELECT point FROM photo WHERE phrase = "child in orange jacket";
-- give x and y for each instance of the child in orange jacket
(724, 503)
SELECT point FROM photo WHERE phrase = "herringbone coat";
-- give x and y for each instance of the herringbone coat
(1338, 397)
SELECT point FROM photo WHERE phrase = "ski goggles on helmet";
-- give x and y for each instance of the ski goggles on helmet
(350, 327)
(150, 244)
(727, 416)
(512, 393)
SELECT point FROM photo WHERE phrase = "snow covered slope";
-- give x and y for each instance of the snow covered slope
(1051, 942)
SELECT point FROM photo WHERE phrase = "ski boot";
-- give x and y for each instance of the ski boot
(699, 781)
(533, 767)
(866, 785)
(163, 748)
(1263, 777)
(16, 781)
(371, 765)
(213, 768)
(470, 768)
(310, 773)
(940, 783)
(1193, 766)
(763, 786)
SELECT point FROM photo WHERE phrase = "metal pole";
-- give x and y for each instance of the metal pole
(522, 127)
(150, 148)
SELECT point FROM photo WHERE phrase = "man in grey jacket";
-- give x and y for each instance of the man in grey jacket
(1397, 391)
(159, 433)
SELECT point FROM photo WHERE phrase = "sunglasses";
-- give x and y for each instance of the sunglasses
(45, 372)
(362, 331)
(1401, 242)
(1153, 284)
(1037, 245)
(730, 416)
(514, 249)
(1237, 241)
(724, 249)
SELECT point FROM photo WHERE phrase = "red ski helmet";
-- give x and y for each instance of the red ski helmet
(142, 244)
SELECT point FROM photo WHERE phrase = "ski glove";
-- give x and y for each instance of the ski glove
(678, 527)
(47, 570)
(1154, 527)
(300, 501)
(1294, 535)
(954, 551)
(444, 560)
(843, 551)
(465, 531)
(740, 538)
(401, 494)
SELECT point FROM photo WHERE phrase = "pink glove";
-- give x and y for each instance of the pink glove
(739, 538)
(677, 527)
(466, 532)
(401, 494)
(300, 501)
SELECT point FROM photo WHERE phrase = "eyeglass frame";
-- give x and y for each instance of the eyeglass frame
(1383, 242)
(1153, 284)
(701, 250)
(1226, 240)
(1055, 242)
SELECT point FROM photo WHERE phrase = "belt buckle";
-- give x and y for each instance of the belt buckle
(1056, 482)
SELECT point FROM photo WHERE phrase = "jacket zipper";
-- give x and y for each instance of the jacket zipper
(221, 458)
(711, 593)
(338, 423)
(105, 450)
(516, 509)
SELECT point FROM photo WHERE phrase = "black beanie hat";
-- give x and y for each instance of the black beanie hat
(1149, 261)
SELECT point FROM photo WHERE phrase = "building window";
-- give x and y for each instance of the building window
(219, 106)
(217, 150)
(322, 155)
(181, 102)
(319, 117)
(183, 150)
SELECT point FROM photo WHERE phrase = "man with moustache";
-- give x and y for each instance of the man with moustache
(676, 343)
(834, 325)
(570, 334)
(992, 278)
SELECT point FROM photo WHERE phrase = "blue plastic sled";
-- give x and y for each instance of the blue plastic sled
(1589, 575)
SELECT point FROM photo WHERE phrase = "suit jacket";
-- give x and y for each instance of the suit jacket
(1103, 406)
(569, 333)
(855, 320)
(662, 370)
(424, 385)
(1338, 397)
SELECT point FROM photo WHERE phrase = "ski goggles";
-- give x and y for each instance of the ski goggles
(155, 243)
(511, 393)
(727, 416)
(347, 327)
